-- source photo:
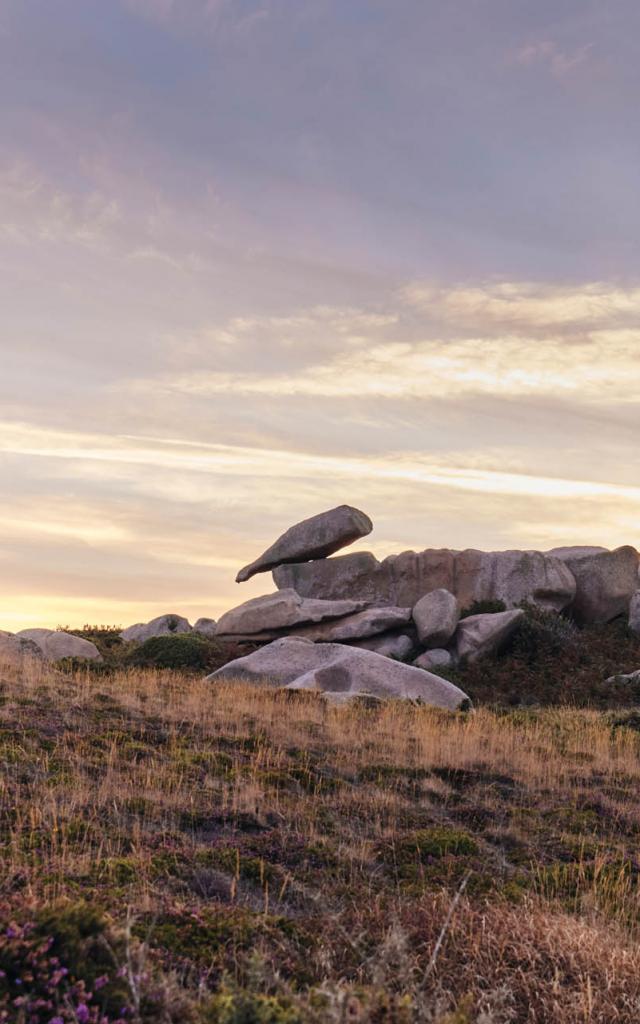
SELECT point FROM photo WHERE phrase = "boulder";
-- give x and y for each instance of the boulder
(356, 576)
(317, 537)
(34, 634)
(339, 671)
(479, 635)
(14, 648)
(634, 613)
(628, 677)
(606, 581)
(264, 617)
(164, 625)
(206, 627)
(54, 644)
(401, 580)
(367, 623)
(392, 645)
(436, 658)
(436, 616)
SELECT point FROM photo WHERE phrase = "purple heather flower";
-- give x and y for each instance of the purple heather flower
(82, 1013)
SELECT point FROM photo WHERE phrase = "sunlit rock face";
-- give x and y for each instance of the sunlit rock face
(508, 576)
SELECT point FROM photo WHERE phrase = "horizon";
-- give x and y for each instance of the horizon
(264, 257)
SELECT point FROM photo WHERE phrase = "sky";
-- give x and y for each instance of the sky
(262, 257)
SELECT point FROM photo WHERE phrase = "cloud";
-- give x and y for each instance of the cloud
(548, 54)
(532, 306)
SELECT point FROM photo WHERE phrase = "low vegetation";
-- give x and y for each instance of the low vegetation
(179, 852)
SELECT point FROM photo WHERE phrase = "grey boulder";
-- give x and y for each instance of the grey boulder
(163, 625)
(479, 635)
(339, 671)
(436, 616)
(56, 644)
(470, 575)
(282, 610)
(367, 623)
(606, 581)
(313, 538)
(634, 614)
(14, 648)
(399, 646)
(437, 658)
(205, 627)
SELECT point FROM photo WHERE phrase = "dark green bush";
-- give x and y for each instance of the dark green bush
(541, 634)
(181, 650)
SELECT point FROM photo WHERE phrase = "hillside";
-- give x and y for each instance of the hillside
(231, 854)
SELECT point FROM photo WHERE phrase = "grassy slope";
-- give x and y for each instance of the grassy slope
(299, 861)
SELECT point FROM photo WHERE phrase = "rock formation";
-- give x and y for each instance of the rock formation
(508, 576)
(317, 537)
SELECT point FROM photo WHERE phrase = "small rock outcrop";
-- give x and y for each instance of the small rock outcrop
(399, 646)
(480, 635)
(436, 616)
(262, 617)
(205, 627)
(314, 538)
(163, 625)
(56, 644)
(606, 581)
(340, 672)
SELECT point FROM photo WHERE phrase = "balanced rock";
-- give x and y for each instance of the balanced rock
(606, 581)
(401, 580)
(338, 670)
(479, 635)
(163, 625)
(395, 645)
(263, 616)
(206, 627)
(314, 538)
(367, 623)
(634, 614)
(55, 644)
(437, 658)
(14, 648)
(436, 616)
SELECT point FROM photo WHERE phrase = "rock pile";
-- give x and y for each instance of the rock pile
(357, 611)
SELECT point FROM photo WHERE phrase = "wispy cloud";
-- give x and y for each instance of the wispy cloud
(547, 53)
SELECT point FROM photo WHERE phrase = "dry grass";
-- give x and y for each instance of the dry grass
(298, 861)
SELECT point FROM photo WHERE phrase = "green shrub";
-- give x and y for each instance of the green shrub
(541, 634)
(181, 650)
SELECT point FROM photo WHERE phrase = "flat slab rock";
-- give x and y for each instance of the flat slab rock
(401, 580)
(368, 623)
(316, 537)
(281, 610)
(340, 672)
